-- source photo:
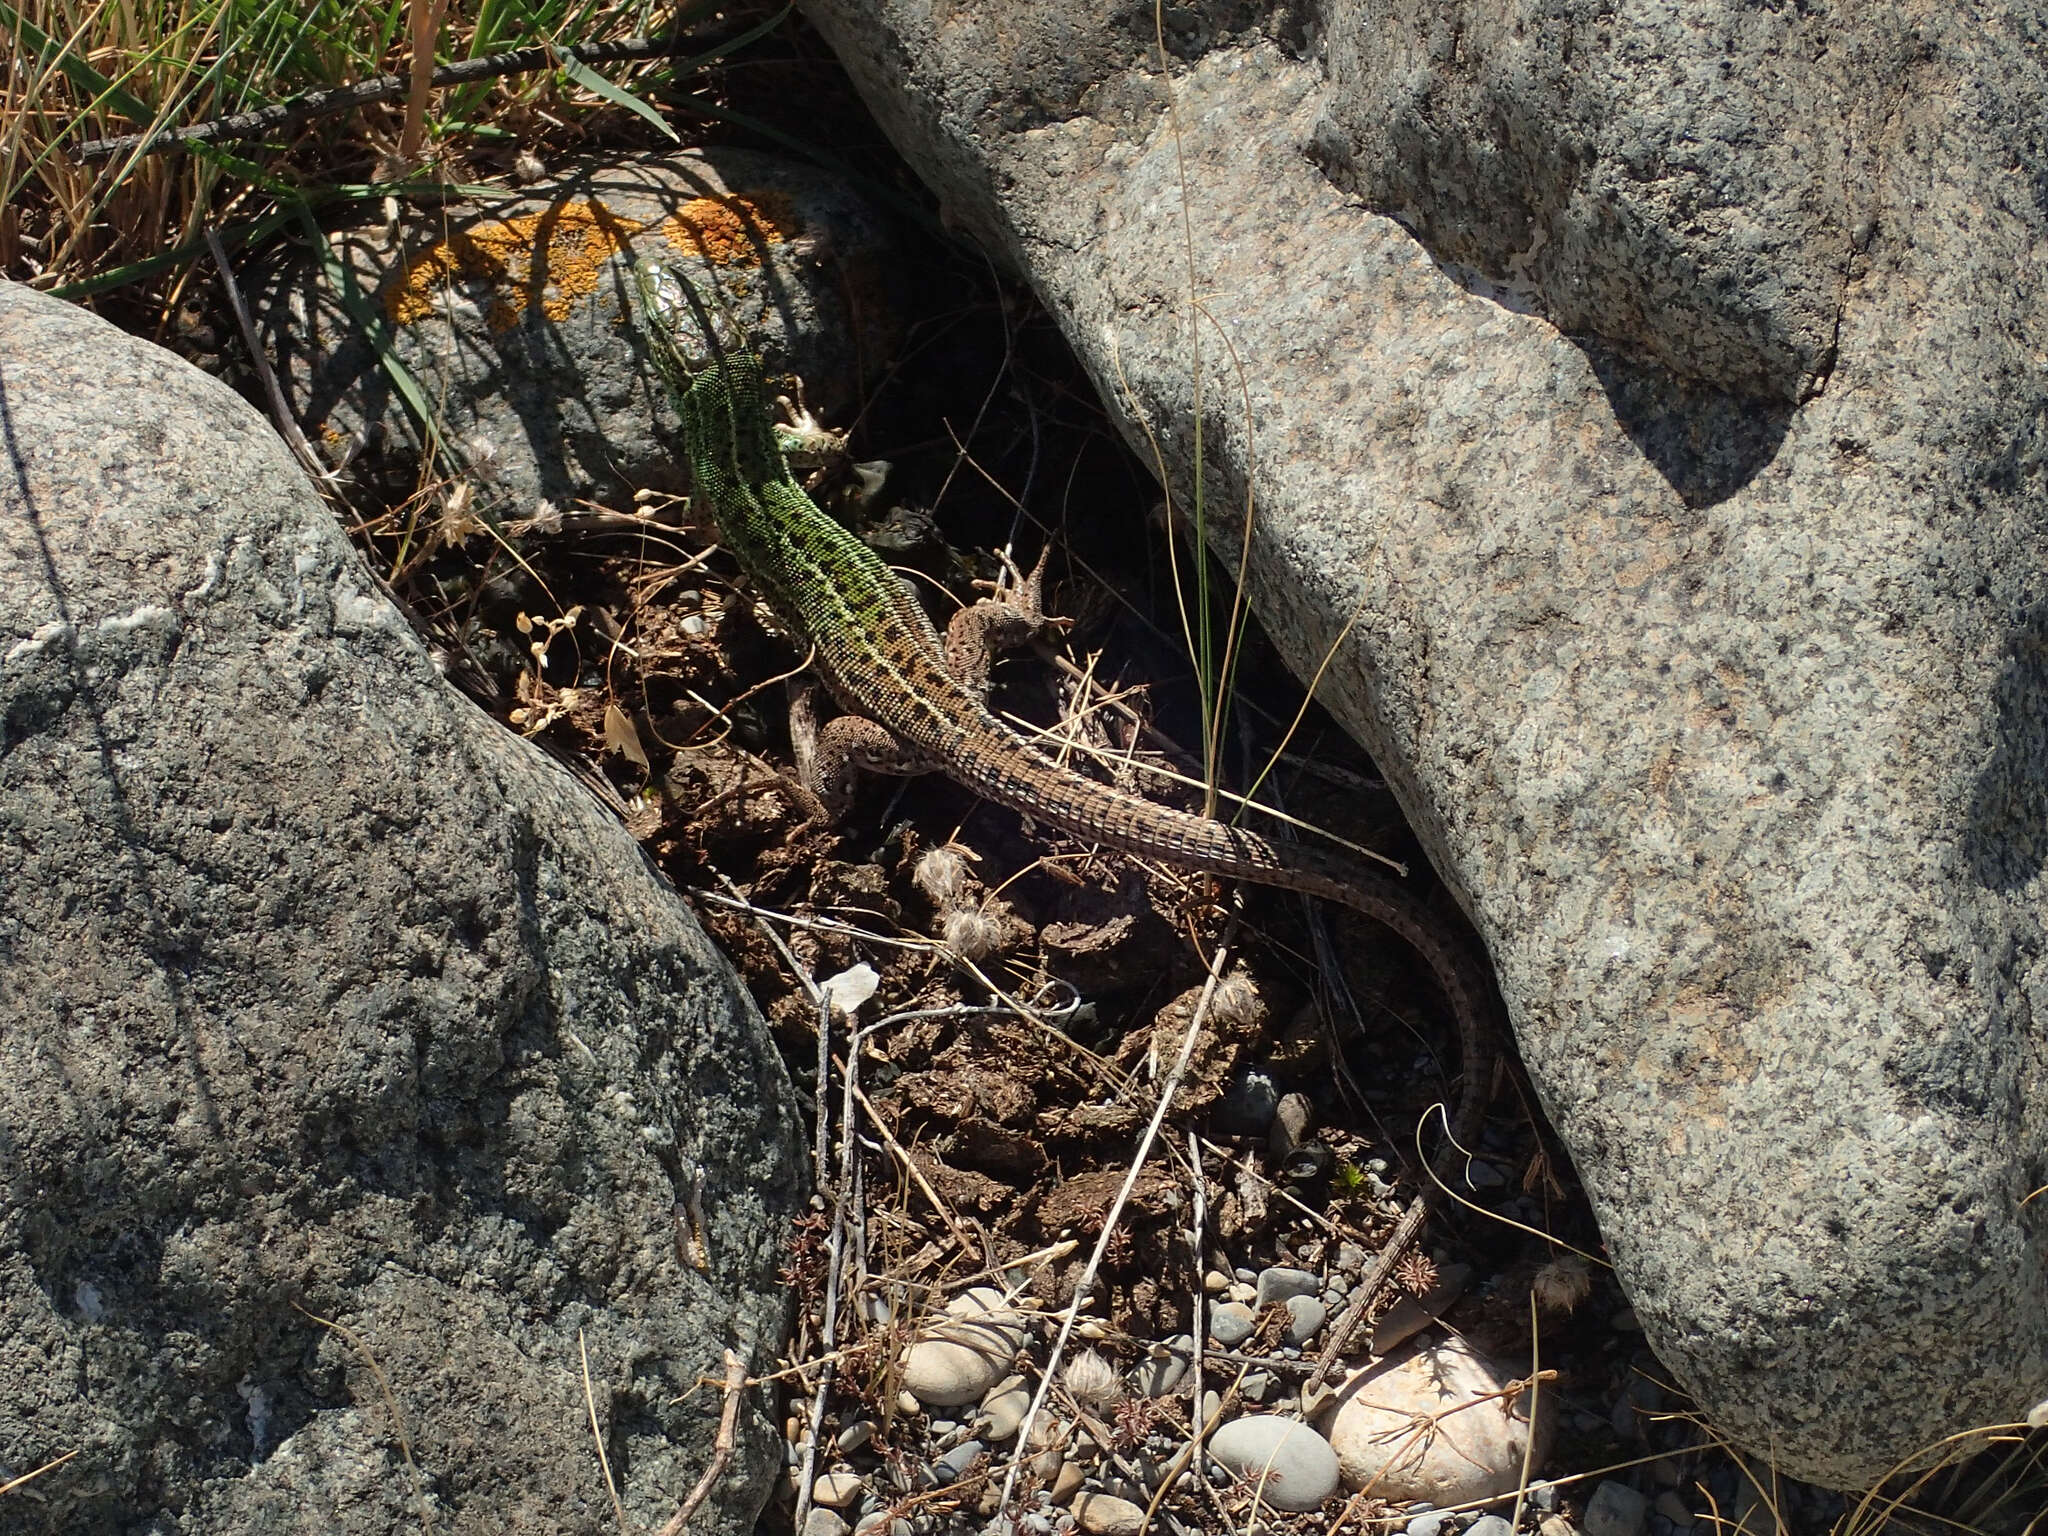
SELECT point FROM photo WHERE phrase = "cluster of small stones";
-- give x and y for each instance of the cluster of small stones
(966, 1380)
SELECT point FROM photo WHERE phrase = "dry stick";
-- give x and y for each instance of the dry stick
(280, 412)
(364, 93)
(1200, 1209)
(1368, 1290)
(48, 1466)
(1167, 1089)
(426, 21)
(835, 1248)
(604, 1462)
(721, 1447)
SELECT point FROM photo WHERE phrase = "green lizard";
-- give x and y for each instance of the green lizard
(916, 702)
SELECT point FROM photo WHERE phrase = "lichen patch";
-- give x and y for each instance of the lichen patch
(731, 231)
(545, 262)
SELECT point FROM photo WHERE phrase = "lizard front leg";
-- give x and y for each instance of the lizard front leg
(1012, 617)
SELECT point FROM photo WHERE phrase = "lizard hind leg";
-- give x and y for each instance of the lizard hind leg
(830, 758)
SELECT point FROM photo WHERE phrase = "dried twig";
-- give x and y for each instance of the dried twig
(1168, 1087)
(721, 1446)
(280, 412)
(364, 93)
(604, 1462)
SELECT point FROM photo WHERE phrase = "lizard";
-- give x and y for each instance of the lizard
(917, 703)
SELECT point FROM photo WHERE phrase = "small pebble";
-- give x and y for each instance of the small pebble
(1246, 1276)
(1543, 1498)
(947, 1468)
(855, 1435)
(1291, 1465)
(1215, 1282)
(1003, 1412)
(1489, 1525)
(1102, 1514)
(1241, 1293)
(1255, 1386)
(1161, 1373)
(824, 1522)
(1067, 1483)
(1231, 1323)
(1615, 1509)
(1279, 1283)
(907, 1404)
(836, 1490)
(1431, 1524)
(1556, 1525)
(1304, 1319)
(1212, 1404)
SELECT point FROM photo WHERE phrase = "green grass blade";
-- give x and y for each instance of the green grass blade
(617, 95)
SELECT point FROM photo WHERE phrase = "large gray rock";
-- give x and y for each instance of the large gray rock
(322, 997)
(1668, 412)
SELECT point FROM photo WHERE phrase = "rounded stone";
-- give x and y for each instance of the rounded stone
(1231, 1323)
(1162, 1372)
(1429, 1424)
(958, 1357)
(1103, 1514)
(949, 1467)
(836, 1490)
(824, 1522)
(1615, 1509)
(1003, 1412)
(1287, 1463)
(854, 1434)
(1671, 1505)
(1281, 1282)
(1066, 1482)
(1304, 1318)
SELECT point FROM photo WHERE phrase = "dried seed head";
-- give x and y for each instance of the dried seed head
(1093, 1381)
(1562, 1284)
(1237, 1004)
(942, 875)
(971, 933)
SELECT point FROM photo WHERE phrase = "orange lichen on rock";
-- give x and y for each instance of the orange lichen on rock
(545, 261)
(731, 231)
